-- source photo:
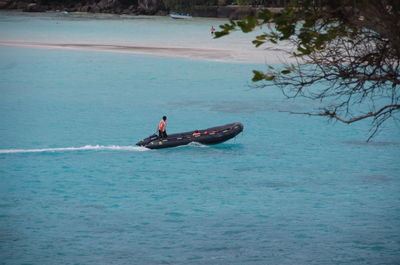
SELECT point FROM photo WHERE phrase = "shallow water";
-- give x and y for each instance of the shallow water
(74, 189)
(128, 34)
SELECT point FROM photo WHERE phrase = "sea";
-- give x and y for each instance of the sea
(75, 189)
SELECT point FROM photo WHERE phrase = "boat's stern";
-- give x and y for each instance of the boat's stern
(147, 140)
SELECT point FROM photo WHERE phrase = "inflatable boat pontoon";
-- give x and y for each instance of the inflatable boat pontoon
(214, 135)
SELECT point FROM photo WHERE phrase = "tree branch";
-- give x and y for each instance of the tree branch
(333, 115)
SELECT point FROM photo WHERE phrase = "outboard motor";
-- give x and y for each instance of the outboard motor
(147, 140)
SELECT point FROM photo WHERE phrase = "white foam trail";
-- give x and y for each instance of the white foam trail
(197, 144)
(82, 148)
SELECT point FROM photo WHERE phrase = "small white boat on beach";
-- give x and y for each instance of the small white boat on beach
(180, 16)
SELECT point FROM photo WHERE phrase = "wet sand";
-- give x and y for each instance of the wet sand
(239, 55)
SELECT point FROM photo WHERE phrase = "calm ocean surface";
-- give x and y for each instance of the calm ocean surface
(74, 188)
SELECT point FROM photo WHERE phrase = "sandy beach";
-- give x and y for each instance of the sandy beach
(158, 36)
(232, 54)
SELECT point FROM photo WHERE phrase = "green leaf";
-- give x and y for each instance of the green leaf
(226, 29)
(258, 43)
(262, 37)
(273, 41)
(258, 76)
(219, 34)
(265, 15)
(248, 24)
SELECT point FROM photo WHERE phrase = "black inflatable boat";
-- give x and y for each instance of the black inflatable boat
(214, 135)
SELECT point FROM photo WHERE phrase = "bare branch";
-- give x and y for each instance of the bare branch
(333, 115)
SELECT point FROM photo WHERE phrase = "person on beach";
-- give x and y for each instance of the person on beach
(162, 133)
(212, 30)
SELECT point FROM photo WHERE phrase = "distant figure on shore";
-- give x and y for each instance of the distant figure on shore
(162, 132)
(212, 30)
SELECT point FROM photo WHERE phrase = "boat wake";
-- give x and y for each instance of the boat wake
(82, 148)
(196, 144)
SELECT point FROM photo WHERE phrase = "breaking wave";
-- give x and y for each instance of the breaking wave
(82, 148)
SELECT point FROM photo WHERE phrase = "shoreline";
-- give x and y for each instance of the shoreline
(195, 53)
(142, 7)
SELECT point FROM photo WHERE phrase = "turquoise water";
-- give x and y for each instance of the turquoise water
(140, 30)
(74, 189)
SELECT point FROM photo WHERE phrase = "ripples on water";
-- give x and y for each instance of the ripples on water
(75, 190)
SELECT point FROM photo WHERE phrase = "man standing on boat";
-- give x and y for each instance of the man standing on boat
(162, 127)
(212, 30)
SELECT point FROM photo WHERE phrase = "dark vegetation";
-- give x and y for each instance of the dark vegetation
(132, 6)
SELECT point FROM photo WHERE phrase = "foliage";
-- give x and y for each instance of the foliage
(347, 52)
(179, 5)
(129, 2)
(187, 5)
(246, 2)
